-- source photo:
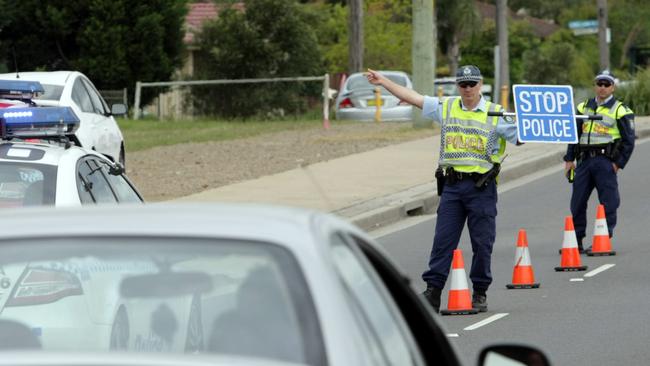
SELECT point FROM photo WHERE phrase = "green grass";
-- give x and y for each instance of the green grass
(147, 133)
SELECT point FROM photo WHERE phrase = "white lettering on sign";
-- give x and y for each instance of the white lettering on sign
(533, 101)
(546, 128)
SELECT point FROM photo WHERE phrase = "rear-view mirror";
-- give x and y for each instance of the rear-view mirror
(511, 355)
(118, 109)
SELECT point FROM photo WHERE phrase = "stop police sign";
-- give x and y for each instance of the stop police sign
(545, 113)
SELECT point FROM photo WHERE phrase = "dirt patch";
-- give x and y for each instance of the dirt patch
(168, 172)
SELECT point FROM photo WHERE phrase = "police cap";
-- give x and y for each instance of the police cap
(606, 75)
(468, 73)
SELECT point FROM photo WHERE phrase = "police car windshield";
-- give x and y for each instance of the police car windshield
(27, 184)
(52, 92)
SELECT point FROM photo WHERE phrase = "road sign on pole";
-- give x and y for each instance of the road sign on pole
(545, 113)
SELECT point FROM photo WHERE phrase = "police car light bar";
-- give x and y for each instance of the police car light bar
(20, 89)
(38, 122)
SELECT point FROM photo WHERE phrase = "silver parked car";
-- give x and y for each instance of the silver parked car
(357, 100)
(268, 282)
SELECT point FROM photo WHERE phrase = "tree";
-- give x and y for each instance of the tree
(114, 42)
(271, 38)
(456, 19)
(355, 33)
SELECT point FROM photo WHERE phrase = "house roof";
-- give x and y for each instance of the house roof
(541, 27)
(198, 13)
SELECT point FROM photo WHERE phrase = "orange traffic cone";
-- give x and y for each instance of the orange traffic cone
(601, 244)
(522, 274)
(459, 301)
(570, 255)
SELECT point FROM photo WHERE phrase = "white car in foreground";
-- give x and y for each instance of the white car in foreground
(272, 283)
(98, 129)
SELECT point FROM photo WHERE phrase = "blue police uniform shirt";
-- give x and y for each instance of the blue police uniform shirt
(432, 109)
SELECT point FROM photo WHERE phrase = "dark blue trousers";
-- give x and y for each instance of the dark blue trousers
(462, 202)
(596, 172)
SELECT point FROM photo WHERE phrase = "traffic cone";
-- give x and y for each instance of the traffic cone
(601, 244)
(522, 274)
(459, 301)
(570, 255)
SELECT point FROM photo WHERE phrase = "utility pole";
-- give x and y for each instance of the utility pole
(503, 92)
(422, 54)
(355, 41)
(603, 44)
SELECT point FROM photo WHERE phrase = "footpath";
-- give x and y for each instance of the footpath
(381, 186)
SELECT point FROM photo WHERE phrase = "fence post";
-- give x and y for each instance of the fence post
(326, 102)
(136, 104)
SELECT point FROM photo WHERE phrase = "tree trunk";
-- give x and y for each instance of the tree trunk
(355, 41)
(453, 54)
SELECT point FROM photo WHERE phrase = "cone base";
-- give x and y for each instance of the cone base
(571, 269)
(522, 285)
(599, 254)
(459, 312)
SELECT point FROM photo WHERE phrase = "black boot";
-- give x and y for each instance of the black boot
(432, 294)
(479, 301)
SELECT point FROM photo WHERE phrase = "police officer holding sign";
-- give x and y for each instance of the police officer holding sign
(604, 147)
(472, 146)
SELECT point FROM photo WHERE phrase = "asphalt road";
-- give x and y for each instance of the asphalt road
(595, 317)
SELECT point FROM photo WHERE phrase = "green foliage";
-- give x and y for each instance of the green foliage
(636, 94)
(272, 38)
(557, 61)
(114, 42)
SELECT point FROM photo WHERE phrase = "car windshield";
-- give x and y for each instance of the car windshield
(27, 184)
(359, 82)
(52, 92)
(169, 295)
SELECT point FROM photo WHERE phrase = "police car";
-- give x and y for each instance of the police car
(39, 164)
(98, 129)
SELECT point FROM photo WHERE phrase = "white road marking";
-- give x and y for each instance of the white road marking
(602, 268)
(577, 279)
(452, 335)
(486, 321)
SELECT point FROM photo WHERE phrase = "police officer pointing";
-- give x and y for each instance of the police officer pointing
(603, 148)
(472, 145)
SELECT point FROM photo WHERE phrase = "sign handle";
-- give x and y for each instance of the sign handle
(593, 117)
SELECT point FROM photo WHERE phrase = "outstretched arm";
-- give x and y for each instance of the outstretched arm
(408, 95)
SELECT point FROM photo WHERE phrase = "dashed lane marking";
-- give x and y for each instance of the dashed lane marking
(486, 321)
(602, 268)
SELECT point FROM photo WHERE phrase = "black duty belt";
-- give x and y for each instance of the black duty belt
(593, 152)
(454, 176)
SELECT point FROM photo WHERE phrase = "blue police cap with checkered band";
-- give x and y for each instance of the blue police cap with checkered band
(468, 73)
(606, 75)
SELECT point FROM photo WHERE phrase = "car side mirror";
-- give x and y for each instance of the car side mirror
(118, 109)
(116, 169)
(511, 354)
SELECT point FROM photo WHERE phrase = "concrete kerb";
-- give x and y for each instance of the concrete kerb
(423, 199)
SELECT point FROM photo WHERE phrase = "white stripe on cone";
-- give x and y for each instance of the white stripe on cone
(570, 240)
(458, 279)
(600, 228)
(522, 257)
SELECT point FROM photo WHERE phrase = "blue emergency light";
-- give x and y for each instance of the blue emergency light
(38, 122)
(20, 88)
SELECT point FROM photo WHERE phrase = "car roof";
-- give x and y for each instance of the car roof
(52, 153)
(290, 227)
(44, 77)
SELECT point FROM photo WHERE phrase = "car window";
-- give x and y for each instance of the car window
(92, 184)
(52, 92)
(95, 98)
(27, 184)
(394, 348)
(121, 186)
(81, 97)
(161, 294)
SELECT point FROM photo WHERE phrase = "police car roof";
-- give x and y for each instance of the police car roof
(39, 152)
(44, 77)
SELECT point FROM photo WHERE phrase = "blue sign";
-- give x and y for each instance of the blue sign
(545, 113)
(577, 24)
